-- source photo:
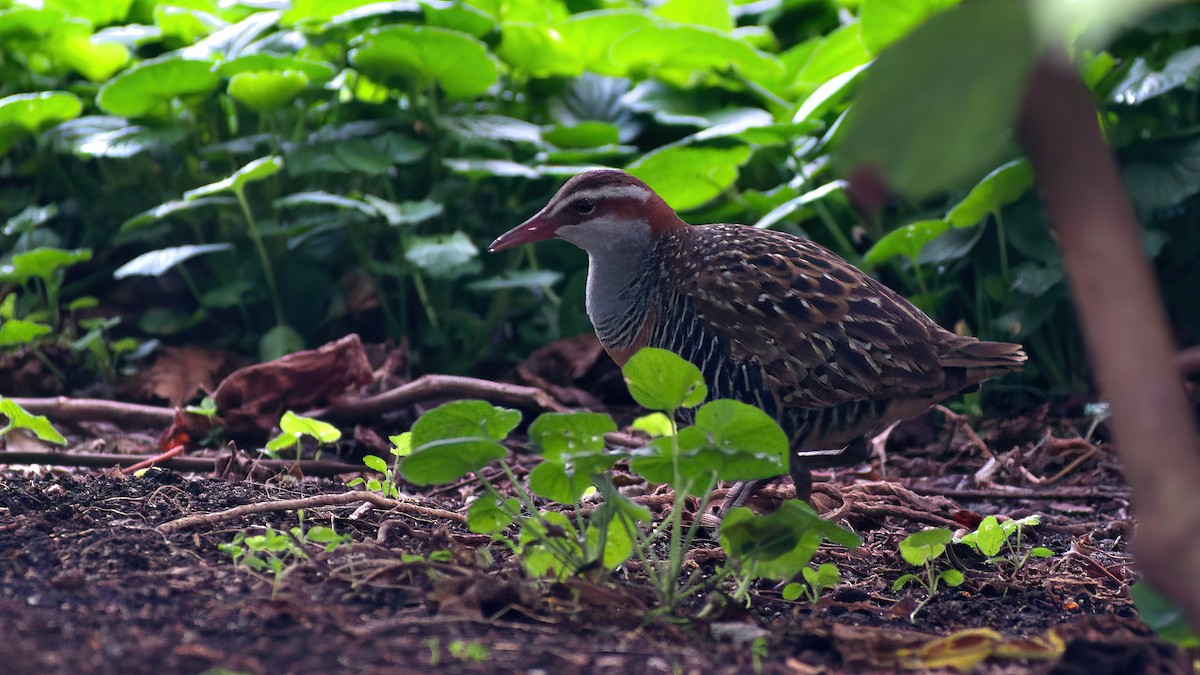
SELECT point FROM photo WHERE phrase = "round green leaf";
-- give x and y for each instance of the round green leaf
(537, 50)
(688, 177)
(487, 515)
(459, 63)
(150, 86)
(921, 547)
(318, 72)
(455, 439)
(443, 256)
(157, 263)
(256, 170)
(885, 21)
(675, 53)
(592, 34)
(267, 90)
(41, 263)
(662, 380)
(567, 436)
(21, 332)
(95, 59)
(906, 241)
(1002, 186)
(935, 108)
(32, 112)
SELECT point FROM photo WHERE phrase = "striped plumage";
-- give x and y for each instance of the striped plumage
(769, 318)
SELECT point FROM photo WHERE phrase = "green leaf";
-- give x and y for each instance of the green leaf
(737, 441)
(921, 547)
(709, 13)
(318, 72)
(376, 463)
(587, 134)
(536, 280)
(952, 577)
(96, 13)
(489, 515)
(1163, 616)
(565, 437)
(1006, 184)
(267, 90)
(592, 34)
(885, 21)
(19, 418)
(536, 50)
(401, 444)
(905, 241)
(556, 482)
(279, 341)
(442, 256)
(828, 575)
(779, 545)
(455, 439)
(661, 380)
(186, 25)
(157, 263)
(656, 424)
(405, 213)
(32, 112)
(298, 425)
(969, 65)
(148, 88)
(688, 177)
(458, 16)
(1041, 552)
(989, 537)
(676, 53)
(15, 332)
(322, 198)
(89, 55)
(171, 208)
(792, 591)
(256, 170)
(459, 63)
(41, 263)
(904, 580)
(839, 52)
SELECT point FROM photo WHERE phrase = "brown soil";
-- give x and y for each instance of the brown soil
(89, 585)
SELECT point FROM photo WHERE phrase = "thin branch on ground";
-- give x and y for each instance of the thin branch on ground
(341, 499)
(309, 467)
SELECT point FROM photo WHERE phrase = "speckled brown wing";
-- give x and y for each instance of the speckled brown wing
(823, 332)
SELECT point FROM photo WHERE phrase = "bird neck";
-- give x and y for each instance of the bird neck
(618, 293)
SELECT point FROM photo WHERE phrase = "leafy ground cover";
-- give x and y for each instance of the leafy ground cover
(108, 572)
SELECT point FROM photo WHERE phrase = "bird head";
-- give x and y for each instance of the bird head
(600, 211)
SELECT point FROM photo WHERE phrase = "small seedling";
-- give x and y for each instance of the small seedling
(816, 582)
(401, 447)
(994, 536)
(294, 427)
(920, 549)
(19, 418)
(277, 551)
(469, 650)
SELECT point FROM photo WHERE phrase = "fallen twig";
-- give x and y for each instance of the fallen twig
(63, 409)
(309, 467)
(341, 499)
(436, 386)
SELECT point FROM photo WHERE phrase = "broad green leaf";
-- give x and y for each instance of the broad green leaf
(839, 52)
(442, 256)
(618, 545)
(488, 515)
(796, 203)
(484, 168)
(688, 177)
(19, 418)
(95, 59)
(96, 13)
(527, 279)
(156, 263)
(905, 241)
(457, 438)
(676, 53)
(1143, 82)
(565, 437)
(185, 24)
(107, 136)
(952, 577)
(320, 199)
(746, 443)
(171, 208)
(921, 547)
(709, 13)
(493, 128)
(405, 213)
(535, 50)
(661, 380)
(41, 263)
(683, 107)
(969, 65)
(558, 483)
(319, 11)
(267, 90)
(1006, 184)
(592, 34)
(540, 559)
(298, 425)
(989, 536)
(376, 463)
(16, 332)
(256, 170)
(148, 88)
(587, 134)
(885, 21)
(779, 545)
(459, 63)
(1163, 616)
(656, 424)
(30, 218)
(318, 72)
(458, 16)
(32, 112)
(828, 95)
(279, 342)
(28, 24)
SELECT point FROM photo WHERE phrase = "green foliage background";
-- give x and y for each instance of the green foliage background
(401, 137)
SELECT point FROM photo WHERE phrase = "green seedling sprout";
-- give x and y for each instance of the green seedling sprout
(921, 549)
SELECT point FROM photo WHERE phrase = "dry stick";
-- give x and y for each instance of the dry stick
(63, 409)
(341, 499)
(436, 386)
(309, 467)
(1124, 324)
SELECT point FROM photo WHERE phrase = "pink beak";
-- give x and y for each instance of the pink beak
(534, 229)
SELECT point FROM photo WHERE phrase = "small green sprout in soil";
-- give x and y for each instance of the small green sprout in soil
(921, 549)
(19, 418)
(1000, 541)
(294, 427)
(386, 486)
(815, 583)
(277, 552)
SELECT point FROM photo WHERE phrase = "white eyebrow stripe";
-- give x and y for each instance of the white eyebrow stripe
(607, 192)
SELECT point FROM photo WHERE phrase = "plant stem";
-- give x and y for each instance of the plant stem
(264, 259)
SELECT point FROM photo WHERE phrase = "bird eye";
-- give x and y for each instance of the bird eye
(584, 206)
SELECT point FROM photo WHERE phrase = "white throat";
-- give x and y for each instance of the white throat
(617, 252)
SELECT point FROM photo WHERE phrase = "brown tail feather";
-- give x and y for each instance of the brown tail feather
(982, 360)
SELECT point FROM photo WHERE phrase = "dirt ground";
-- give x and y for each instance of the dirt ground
(98, 575)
